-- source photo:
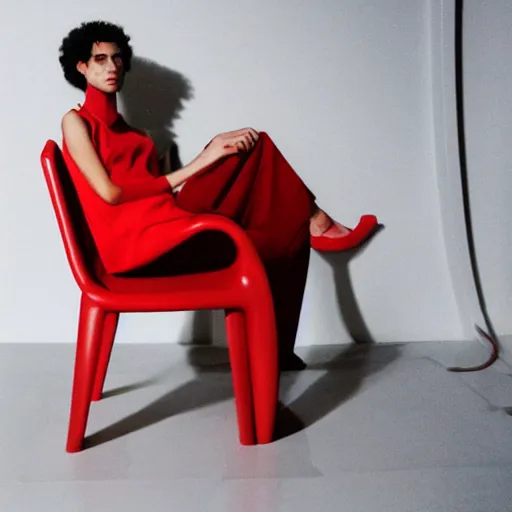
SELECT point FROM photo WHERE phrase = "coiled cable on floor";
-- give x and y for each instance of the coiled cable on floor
(495, 352)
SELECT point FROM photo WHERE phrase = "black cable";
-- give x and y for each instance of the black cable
(461, 132)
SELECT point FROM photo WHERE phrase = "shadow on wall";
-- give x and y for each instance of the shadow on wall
(349, 308)
(153, 98)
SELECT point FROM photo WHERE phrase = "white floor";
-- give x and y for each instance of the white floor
(380, 429)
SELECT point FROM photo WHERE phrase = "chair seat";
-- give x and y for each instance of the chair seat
(221, 280)
(223, 289)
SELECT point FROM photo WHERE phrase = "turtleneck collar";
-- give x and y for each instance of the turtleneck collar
(101, 105)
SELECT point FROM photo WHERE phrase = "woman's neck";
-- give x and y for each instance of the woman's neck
(101, 104)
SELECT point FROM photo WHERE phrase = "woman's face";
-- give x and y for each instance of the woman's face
(104, 70)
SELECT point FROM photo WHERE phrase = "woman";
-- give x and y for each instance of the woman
(130, 206)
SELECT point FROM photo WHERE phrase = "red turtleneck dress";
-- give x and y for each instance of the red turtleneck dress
(258, 190)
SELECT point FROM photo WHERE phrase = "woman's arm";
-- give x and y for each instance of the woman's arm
(81, 149)
(176, 178)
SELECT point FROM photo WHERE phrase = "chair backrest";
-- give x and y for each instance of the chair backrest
(78, 243)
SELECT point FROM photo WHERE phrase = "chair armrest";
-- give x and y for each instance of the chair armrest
(250, 269)
(188, 227)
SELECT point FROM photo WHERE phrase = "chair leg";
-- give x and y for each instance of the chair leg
(107, 341)
(90, 330)
(238, 354)
(263, 358)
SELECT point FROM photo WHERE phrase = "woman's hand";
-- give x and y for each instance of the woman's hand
(224, 144)
(230, 143)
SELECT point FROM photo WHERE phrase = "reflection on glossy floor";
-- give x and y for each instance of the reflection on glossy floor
(380, 429)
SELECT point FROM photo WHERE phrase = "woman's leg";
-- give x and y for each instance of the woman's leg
(260, 191)
(263, 194)
(287, 280)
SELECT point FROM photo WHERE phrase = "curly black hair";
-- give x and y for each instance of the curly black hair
(77, 46)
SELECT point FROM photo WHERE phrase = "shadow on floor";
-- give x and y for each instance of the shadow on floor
(201, 392)
(343, 374)
(342, 377)
(336, 387)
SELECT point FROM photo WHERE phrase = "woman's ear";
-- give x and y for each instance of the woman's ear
(81, 67)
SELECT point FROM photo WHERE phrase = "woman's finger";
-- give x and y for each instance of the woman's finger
(240, 143)
(248, 142)
(243, 131)
(253, 135)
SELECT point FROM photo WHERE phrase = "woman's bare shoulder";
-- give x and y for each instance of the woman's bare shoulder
(72, 122)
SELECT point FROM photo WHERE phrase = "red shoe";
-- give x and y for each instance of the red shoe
(358, 235)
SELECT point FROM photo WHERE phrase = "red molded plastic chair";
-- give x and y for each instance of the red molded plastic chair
(242, 290)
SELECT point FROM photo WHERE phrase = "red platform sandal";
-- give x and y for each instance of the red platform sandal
(356, 237)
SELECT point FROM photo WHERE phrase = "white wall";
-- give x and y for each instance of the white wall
(343, 87)
(488, 108)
